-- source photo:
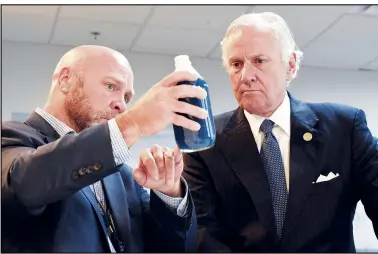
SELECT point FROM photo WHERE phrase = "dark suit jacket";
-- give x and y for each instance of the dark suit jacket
(231, 192)
(48, 206)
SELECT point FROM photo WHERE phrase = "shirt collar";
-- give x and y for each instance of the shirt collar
(60, 127)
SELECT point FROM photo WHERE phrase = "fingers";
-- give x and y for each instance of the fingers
(157, 153)
(149, 163)
(177, 76)
(189, 109)
(188, 91)
(186, 123)
(179, 162)
(177, 155)
(169, 167)
(158, 167)
(140, 176)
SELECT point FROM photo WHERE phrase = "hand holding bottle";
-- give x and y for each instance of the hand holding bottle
(160, 106)
(190, 140)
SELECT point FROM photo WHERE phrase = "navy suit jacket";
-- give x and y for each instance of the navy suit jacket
(231, 191)
(48, 206)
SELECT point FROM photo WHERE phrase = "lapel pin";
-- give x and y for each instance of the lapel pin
(307, 136)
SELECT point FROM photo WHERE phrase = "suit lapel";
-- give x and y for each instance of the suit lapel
(87, 191)
(304, 158)
(238, 145)
(117, 200)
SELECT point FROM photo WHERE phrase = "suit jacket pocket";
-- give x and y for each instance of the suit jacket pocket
(330, 187)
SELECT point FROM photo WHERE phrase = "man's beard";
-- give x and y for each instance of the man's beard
(80, 111)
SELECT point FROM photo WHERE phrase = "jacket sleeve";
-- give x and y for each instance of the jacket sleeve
(35, 174)
(165, 231)
(160, 227)
(211, 235)
(365, 166)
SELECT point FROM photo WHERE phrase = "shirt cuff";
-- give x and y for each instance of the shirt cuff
(180, 205)
(121, 152)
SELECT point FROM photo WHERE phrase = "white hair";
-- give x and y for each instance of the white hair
(268, 21)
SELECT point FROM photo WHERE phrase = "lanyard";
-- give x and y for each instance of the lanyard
(109, 222)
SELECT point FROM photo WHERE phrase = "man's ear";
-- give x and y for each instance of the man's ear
(63, 79)
(292, 66)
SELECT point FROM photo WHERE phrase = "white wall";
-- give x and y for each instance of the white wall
(27, 70)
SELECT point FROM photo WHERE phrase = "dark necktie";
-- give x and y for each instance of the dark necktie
(273, 164)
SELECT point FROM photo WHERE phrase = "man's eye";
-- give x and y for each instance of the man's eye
(259, 60)
(110, 86)
(236, 64)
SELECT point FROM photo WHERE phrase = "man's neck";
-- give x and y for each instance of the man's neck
(60, 114)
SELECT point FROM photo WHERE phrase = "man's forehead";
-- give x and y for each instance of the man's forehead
(109, 63)
(120, 77)
(250, 40)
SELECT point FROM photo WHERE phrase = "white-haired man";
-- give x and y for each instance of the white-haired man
(284, 175)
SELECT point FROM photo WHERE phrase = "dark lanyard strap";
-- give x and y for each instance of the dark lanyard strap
(109, 223)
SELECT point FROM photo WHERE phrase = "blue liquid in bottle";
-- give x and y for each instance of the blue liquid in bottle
(204, 138)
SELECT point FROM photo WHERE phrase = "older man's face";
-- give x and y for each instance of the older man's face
(256, 69)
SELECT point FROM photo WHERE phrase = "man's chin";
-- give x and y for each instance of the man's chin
(255, 107)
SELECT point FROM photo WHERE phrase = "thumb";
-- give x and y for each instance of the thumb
(139, 176)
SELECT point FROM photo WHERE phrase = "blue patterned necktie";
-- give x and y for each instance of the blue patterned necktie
(273, 164)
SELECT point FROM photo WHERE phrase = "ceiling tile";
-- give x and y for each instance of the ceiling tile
(373, 65)
(78, 32)
(306, 21)
(175, 41)
(44, 10)
(372, 10)
(216, 53)
(349, 44)
(197, 17)
(30, 28)
(308, 16)
(109, 13)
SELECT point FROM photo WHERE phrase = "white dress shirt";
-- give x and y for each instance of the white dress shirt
(281, 130)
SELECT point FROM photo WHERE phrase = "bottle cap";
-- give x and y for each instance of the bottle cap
(182, 62)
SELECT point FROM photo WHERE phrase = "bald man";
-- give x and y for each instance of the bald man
(66, 186)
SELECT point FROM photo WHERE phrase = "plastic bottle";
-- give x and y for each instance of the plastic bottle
(187, 140)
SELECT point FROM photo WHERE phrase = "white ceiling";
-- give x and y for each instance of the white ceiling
(343, 36)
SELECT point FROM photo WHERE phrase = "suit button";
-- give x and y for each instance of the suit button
(82, 171)
(88, 170)
(75, 175)
(97, 166)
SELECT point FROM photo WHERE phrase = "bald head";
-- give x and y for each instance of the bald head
(91, 84)
(78, 57)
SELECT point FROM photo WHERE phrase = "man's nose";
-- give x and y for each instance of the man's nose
(248, 73)
(118, 106)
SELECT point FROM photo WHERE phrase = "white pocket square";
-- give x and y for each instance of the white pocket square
(323, 178)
